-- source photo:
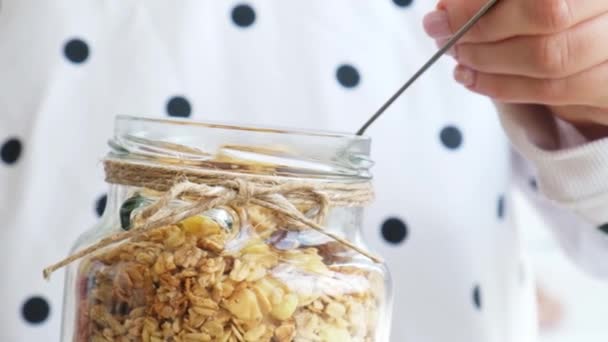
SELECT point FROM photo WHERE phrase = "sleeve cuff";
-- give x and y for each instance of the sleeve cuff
(571, 171)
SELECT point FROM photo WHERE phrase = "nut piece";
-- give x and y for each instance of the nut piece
(175, 238)
(283, 311)
(335, 310)
(244, 305)
(331, 333)
(285, 333)
(255, 334)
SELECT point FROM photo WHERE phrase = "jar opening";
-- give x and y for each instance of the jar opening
(248, 149)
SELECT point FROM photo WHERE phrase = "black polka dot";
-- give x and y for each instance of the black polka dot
(243, 15)
(76, 51)
(403, 3)
(35, 310)
(11, 150)
(348, 76)
(604, 228)
(100, 204)
(178, 107)
(533, 184)
(500, 207)
(451, 137)
(394, 230)
(477, 300)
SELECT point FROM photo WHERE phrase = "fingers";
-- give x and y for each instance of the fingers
(453, 14)
(580, 89)
(511, 18)
(545, 56)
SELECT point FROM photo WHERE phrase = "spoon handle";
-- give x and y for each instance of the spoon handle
(453, 40)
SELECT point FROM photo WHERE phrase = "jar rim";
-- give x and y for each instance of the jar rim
(281, 151)
(243, 127)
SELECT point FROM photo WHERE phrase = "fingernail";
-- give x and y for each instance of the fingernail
(436, 24)
(451, 52)
(464, 76)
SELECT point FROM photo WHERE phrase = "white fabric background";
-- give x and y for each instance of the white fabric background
(281, 70)
(583, 299)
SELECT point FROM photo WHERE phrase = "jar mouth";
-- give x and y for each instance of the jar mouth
(121, 119)
(243, 148)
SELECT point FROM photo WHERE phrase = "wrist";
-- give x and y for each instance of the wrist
(590, 122)
(592, 132)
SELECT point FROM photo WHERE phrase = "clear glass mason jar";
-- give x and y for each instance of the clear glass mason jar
(217, 276)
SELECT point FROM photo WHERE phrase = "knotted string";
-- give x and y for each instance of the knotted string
(279, 196)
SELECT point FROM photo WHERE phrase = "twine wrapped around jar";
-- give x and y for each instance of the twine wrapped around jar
(206, 189)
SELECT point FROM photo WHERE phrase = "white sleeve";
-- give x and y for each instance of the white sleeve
(572, 175)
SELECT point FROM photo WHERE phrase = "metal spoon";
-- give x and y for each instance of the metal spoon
(463, 30)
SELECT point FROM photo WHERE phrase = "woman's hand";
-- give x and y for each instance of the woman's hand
(549, 52)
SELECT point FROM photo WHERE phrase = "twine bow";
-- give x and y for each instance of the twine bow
(280, 198)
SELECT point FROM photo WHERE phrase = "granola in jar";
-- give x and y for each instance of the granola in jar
(225, 233)
(195, 281)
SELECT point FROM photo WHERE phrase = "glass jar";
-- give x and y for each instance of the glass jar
(236, 271)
